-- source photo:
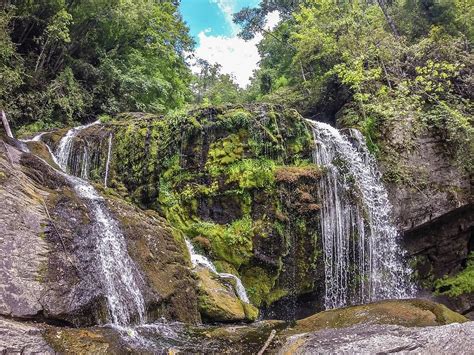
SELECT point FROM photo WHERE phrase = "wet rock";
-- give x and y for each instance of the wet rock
(375, 339)
(160, 254)
(216, 301)
(22, 338)
(48, 259)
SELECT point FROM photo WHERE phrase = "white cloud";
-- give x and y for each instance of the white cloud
(273, 18)
(236, 56)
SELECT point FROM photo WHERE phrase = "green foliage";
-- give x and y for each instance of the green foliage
(224, 152)
(211, 87)
(79, 59)
(459, 284)
(232, 243)
(366, 64)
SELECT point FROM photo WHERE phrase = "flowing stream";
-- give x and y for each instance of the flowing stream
(363, 261)
(107, 164)
(201, 260)
(119, 275)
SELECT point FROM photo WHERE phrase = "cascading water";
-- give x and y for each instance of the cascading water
(201, 260)
(362, 258)
(120, 277)
(107, 164)
(63, 151)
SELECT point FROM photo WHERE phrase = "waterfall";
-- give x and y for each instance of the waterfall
(363, 261)
(109, 151)
(201, 260)
(63, 151)
(85, 164)
(119, 275)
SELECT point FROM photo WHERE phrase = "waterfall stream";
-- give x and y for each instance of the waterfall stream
(201, 260)
(119, 275)
(107, 164)
(362, 258)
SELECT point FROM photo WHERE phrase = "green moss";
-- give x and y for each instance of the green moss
(459, 284)
(252, 173)
(224, 152)
(231, 243)
(260, 286)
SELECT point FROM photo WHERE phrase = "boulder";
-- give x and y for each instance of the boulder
(408, 313)
(218, 302)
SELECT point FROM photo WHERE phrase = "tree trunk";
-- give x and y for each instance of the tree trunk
(388, 18)
(6, 125)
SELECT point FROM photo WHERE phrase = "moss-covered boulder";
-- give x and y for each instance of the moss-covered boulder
(218, 302)
(238, 180)
(408, 313)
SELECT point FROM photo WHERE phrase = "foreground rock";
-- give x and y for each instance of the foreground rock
(448, 339)
(409, 313)
(378, 327)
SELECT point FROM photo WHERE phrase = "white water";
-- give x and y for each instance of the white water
(363, 261)
(200, 260)
(63, 152)
(109, 152)
(119, 274)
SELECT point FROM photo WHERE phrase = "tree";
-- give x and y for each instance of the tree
(210, 86)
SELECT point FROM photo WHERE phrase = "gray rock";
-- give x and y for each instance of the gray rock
(23, 253)
(21, 338)
(448, 339)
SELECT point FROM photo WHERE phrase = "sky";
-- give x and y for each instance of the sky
(210, 23)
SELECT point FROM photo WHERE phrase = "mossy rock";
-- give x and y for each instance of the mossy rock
(408, 313)
(217, 301)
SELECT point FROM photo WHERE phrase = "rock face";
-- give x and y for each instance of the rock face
(20, 338)
(432, 199)
(47, 253)
(23, 249)
(448, 339)
(238, 181)
(217, 302)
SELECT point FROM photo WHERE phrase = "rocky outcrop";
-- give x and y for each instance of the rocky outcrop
(23, 248)
(239, 181)
(394, 322)
(217, 302)
(409, 313)
(47, 250)
(430, 191)
(448, 339)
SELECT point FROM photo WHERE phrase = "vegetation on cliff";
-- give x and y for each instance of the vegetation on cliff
(368, 64)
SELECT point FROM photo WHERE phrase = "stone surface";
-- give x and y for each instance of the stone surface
(410, 313)
(23, 249)
(48, 269)
(375, 339)
(432, 201)
(160, 254)
(218, 302)
(22, 338)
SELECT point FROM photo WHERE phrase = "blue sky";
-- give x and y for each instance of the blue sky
(212, 15)
(210, 23)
